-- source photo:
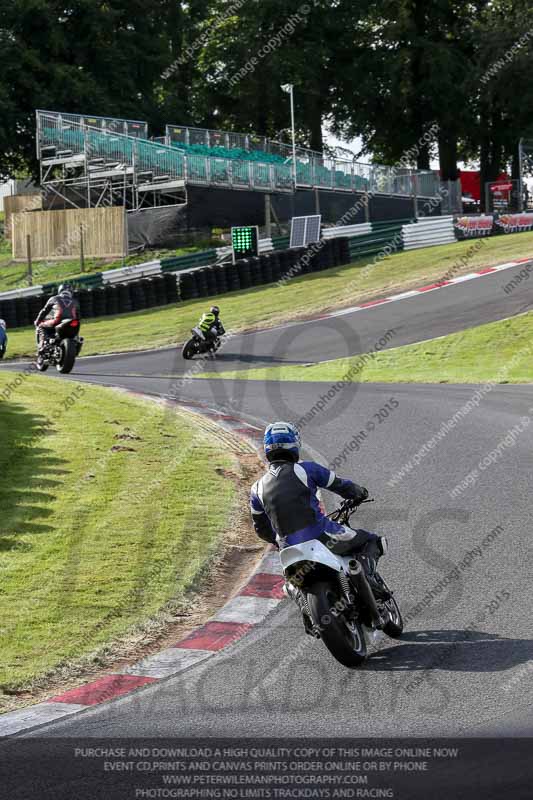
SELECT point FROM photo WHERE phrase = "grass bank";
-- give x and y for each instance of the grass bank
(499, 351)
(103, 520)
(272, 304)
(15, 275)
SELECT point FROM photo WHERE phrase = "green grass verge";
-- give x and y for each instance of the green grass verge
(499, 351)
(96, 540)
(272, 304)
(14, 275)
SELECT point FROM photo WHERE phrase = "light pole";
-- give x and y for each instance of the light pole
(289, 88)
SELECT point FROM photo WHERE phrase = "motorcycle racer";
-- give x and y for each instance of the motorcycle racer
(286, 510)
(210, 325)
(59, 307)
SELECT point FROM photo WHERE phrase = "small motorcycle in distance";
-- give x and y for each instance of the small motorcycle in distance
(61, 350)
(336, 605)
(197, 345)
(3, 339)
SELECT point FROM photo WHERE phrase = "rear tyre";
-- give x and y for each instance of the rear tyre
(394, 627)
(2, 352)
(189, 350)
(344, 640)
(68, 356)
(391, 609)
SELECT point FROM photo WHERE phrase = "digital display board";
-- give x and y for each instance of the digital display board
(245, 242)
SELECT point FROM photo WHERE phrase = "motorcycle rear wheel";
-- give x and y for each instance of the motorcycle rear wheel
(394, 626)
(68, 356)
(344, 640)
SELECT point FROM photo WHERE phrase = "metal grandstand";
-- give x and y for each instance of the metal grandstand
(93, 161)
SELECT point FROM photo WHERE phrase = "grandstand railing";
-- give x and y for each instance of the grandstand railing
(71, 136)
(128, 127)
(183, 134)
(313, 169)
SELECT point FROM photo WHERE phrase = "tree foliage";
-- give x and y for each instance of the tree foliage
(387, 71)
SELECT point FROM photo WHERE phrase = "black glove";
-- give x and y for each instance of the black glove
(359, 494)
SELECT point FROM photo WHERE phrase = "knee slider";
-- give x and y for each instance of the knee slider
(383, 544)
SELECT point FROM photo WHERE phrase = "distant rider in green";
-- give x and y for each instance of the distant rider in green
(211, 326)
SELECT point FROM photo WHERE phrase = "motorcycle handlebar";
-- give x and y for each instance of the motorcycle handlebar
(347, 508)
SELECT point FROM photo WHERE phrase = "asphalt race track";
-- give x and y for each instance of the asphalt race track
(435, 313)
(463, 666)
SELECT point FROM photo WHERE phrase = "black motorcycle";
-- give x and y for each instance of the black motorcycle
(199, 345)
(62, 349)
(336, 603)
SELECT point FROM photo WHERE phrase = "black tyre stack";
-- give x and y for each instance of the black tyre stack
(160, 289)
(275, 267)
(256, 276)
(138, 298)
(201, 282)
(233, 278)
(99, 302)
(297, 265)
(22, 312)
(211, 277)
(171, 287)
(245, 278)
(111, 300)
(34, 306)
(324, 260)
(221, 279)
(285, 263)
(265, 265)
(344, 250)
(124, 298)
(188, 289)
(149, 293)
(85, 299)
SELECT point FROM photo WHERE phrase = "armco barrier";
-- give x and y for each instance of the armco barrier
(347, 230)
(179, 263)
(137, 272)
(216, 279)
(429, 232)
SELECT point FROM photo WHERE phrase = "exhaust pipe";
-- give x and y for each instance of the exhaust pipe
(361, 584)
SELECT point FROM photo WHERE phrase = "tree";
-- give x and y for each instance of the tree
(410, 61)
(87, 56)
(250, 53)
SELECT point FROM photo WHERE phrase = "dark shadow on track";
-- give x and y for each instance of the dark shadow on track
(452, 650)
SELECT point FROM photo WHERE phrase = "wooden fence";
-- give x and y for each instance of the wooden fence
(19, 202)
(57, 235)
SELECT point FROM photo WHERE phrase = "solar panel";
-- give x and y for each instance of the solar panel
(305, 230)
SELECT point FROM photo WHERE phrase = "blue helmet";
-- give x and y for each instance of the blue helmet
(281, 438)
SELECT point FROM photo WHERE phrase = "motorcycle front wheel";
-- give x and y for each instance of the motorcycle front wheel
(344, 639)
(41, 365)
(189, 350)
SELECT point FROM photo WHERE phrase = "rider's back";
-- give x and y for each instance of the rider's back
(287, 494)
